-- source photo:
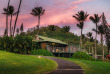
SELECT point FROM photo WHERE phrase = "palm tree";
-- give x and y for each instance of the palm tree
(101, 32)
(81, 25)
(17, 17)
(38, 12)
(81, 16)
(6, 13)
(96, 20)
(11, 13)
(89, 35)
(107, 32)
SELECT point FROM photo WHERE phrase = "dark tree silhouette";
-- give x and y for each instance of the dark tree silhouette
(107, 32)
(22, 28)
(11, 13)
(6, 13)
(17, 17)
(101, 32)
(96, 20)
(17, 31)
(66, 29)
(38, 12)
(81, 16)
(52, 28)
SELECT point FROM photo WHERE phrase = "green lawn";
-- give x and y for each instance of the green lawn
(92, 67)
(15, 64)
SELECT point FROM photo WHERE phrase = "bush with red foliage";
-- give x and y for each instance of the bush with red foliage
(108, 56)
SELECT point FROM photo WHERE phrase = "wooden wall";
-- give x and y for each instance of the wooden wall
(43, 45)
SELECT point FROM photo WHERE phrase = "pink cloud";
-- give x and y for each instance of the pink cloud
(80, 1)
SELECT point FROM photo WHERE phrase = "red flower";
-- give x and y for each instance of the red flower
(108, 56)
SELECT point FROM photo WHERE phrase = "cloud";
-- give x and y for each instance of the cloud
(80, 1)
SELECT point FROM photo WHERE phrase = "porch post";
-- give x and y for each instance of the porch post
(69, 51)
(59, 52)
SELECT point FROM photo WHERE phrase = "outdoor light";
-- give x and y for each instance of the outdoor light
(39, 56)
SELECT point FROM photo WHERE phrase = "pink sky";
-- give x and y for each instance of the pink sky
(58, 12)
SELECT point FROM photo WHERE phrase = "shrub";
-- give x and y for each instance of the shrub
(41, 52)
(82, 55)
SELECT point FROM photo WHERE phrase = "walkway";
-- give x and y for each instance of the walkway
(66, 67)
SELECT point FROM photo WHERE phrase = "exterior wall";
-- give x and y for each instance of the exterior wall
(44, 45)
(67, 49)
(73, 49)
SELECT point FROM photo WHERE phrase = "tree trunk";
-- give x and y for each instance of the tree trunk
(84, 49)
(10, 26)
(17, 17)
(81, 40)
(102, 46)
(7, 20)
(96, 43)
(38, 24)
(6, 25)
(89, 49)
(92, 51)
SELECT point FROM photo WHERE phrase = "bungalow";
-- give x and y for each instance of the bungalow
(57, 47)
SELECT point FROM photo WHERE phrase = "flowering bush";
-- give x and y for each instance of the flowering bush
(108, 56)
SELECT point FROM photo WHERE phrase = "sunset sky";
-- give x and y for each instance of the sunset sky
(57, 12)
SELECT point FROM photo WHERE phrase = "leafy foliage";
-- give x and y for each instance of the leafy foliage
(20, 44)
(82, 55)
(41, 52)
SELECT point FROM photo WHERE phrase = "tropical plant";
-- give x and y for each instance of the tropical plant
(11, 13)
(17, 31)
(6, 13)
(52, 28)
(91, 40)
(17, 17)
(101, 32)
(96, 20)
(81, 16)
(22, 28)
(107, 32)
(66, 29)
(38, 12)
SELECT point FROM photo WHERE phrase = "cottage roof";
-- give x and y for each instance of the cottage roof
(46, 39)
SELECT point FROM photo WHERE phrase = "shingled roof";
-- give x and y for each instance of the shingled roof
(46, 39)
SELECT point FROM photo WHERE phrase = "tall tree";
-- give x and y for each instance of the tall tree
(101, 32)
(81, 16)
(11, 13)
(89, 35)
(6, 13)
(17, 31)
(17, 17)
(96, 20)
(38, 12)
(107, 32)
(22, 28)
(52, 28)
(66, 29)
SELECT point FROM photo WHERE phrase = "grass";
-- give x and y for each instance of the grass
(15, 64)
(92, 67)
